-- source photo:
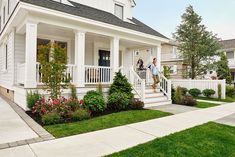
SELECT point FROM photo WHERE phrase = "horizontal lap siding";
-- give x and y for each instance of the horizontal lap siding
(19, 51)
(6, 79)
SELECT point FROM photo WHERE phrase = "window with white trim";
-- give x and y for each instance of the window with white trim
(5, 57)
(119, 11)
(230, 54)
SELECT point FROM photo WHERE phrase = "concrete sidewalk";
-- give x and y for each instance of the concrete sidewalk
(12, 127)
(108, 141)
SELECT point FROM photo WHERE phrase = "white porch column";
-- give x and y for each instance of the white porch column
(114, 49)
(159, 57)
(79, 79)
(30, 55)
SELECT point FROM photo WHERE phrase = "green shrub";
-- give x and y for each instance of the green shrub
(80, 114)
(118, 101)
(73, 92)
(121, 84)
(51, 118)
(189, 101)
(95, 102)
(32, 98)
(230, 91)
(173, 94)
(178, 96)
(208, 92)
(195, 92)
(219, 91)
(184, 91)
(136, 104)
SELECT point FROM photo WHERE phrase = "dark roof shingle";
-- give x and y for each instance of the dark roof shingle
(228, 44)
(95, 14)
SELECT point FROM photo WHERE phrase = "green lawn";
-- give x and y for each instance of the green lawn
(205, 105)
(209, 140)
(228, 99)
(104, 122)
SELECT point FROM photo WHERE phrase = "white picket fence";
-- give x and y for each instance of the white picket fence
(202, 84)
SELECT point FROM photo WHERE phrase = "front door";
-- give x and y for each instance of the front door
(104, 58)
(104, 61)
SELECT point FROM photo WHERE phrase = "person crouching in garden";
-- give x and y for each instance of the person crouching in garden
(155, 72)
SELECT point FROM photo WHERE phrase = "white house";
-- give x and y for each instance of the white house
(101, 37)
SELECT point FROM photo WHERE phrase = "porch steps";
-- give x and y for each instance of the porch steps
(155, 98)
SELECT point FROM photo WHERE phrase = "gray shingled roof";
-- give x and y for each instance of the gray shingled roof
(95, 14)
(228, 44)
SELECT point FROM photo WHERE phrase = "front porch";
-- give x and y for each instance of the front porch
(92, 58)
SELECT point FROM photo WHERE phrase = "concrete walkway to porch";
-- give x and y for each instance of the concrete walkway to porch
(112, 140)
(12, 127)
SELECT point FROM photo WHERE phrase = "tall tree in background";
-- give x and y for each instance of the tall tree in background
(223, 70)
(197, 46)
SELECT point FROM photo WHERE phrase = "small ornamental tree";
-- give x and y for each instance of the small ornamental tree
(121, 84)
(53, 60)
(223, 70)
(166, 71)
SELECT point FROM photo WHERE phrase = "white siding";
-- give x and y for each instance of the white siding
(19, 51)
(108, 5)
(6, 79)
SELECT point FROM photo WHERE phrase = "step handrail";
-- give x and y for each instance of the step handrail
(138, 84)
(165, 85)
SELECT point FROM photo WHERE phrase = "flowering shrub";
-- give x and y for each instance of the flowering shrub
(64, 107)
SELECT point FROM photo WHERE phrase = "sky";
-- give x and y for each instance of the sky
(165, 15)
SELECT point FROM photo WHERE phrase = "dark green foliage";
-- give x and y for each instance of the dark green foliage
(208, 92)
(219, 91)
(121, 84)
(178, 96)
(230, 91)
(173, 94)
(73, 91)
(80, 114)
(95, 102)
(223, 70)
(189, 101)
(51, 118)
(136, 104)
(184, 91)
(195, 92)
(53, 69)
(118, 101)
(32, 98)
(197, 46)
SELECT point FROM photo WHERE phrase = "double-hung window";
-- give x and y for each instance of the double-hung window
(119, 11)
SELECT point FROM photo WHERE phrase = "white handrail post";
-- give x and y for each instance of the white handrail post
(169, 89)
(143, 90)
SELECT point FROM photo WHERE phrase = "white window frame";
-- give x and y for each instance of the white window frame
(121, 6)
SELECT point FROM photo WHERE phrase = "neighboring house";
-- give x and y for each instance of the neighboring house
(171, 59)
(229, 49)
(100, 37)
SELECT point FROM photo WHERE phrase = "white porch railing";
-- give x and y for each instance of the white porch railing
(69, 73)
(98, 74)
(20, 75)
(138, 84)
(202, 84)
